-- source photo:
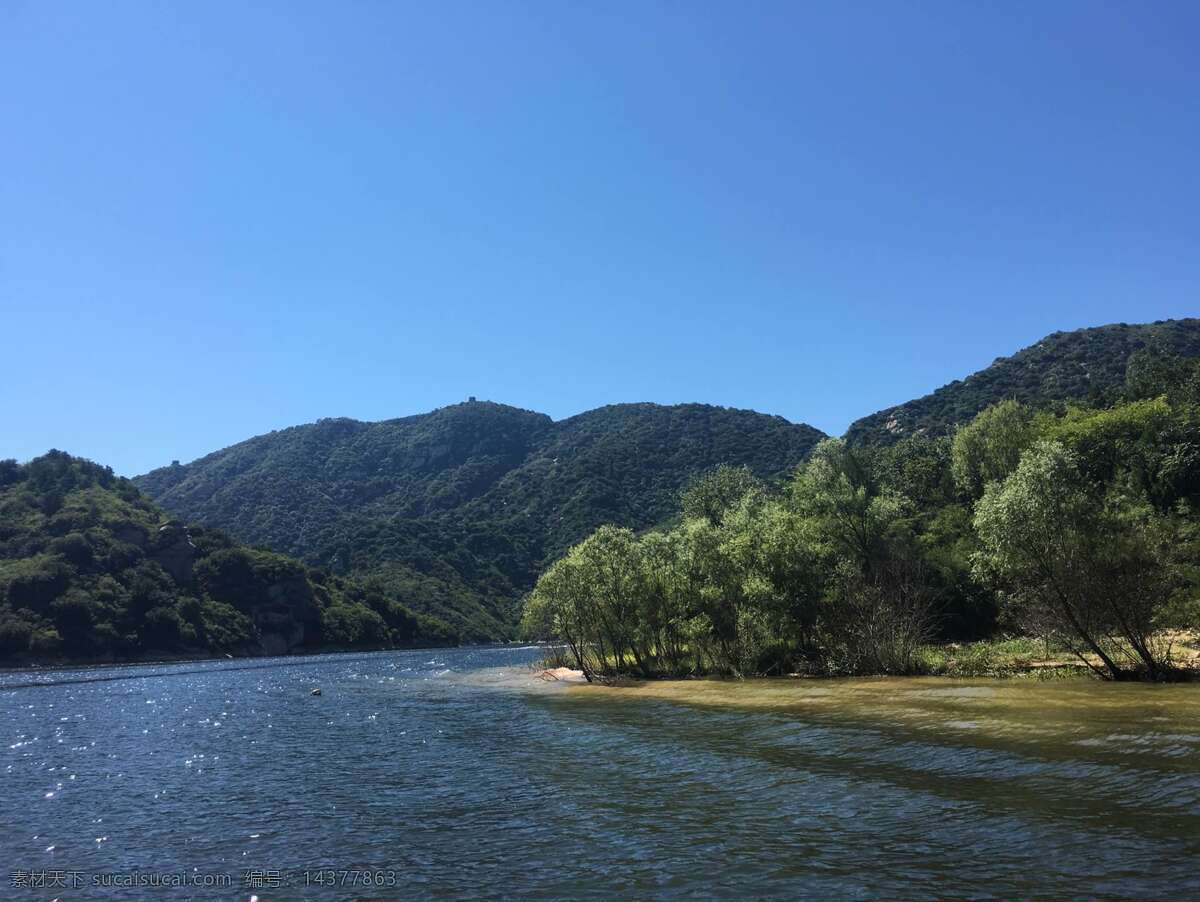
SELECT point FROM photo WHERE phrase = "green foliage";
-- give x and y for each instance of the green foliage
(457, 511)
(851, 511)
(758, 584)
(353, 624)
(1154, 374)
(89, 568)
(1090, 567)
(714, 494)
(918, 468)
(989, 447)
(250, 579)
(994, 657)
(1150, 448)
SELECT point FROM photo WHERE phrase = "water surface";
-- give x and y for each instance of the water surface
(451, 773)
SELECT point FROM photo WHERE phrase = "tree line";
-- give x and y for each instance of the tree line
(1075, 523)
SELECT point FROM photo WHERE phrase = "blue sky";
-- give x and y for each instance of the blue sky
(217, 219)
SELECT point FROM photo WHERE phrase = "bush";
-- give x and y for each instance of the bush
(353, 624)
(74, 547)
(15, 635)
(162, 628)
(37, 589)
(45, 642)
(73, 618)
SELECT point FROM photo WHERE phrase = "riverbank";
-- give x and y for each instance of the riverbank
(1012, 658)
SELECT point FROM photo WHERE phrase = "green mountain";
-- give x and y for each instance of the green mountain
(457, 511)
(91, 568)
(1065, 366)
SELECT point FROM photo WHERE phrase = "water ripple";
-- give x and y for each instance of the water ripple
(464, 780)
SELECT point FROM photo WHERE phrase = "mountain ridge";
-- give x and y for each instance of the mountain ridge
(1062, 366)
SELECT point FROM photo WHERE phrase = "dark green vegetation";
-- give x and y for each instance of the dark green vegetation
(456, 511)
(91, 568)
(1077, 524)
(1088, 364)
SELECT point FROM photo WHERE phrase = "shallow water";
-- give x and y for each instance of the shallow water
(437, 774)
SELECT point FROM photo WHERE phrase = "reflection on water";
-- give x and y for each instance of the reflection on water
(462, 776)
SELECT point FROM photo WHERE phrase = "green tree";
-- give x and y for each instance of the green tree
(1095, 570)
(1152, 374)
(1148, 447)
(714, 494)
(669, 597)
(849, 511)
(919, 469)
(720, 628)
(989, 447)
(594, 599)
(776, 552)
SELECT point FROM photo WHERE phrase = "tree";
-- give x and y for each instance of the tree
(1152, 374)
(718, 625)
(556, 609)
(876, 609)
(713, 495)
(1149, 447)
(777, 554)
(73, 618)
(917, 468)
(849, 511)
(670, 593)
(10, 472)
(989, 447)
(1093, 569)
(593, 599)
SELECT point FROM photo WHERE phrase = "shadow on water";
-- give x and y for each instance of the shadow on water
(1114, 759)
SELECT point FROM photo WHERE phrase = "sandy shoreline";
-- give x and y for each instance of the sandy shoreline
(560, 675)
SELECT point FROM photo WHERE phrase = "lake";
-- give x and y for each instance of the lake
(452, 773)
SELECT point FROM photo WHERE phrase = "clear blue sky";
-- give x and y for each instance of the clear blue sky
(221, 218)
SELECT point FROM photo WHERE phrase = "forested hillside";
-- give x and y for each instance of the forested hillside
(458, 510)
(91, 568)
(1087, 364)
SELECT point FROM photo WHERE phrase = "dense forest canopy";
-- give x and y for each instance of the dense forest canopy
(91, 568)
(458, 510)
(1076, 525)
